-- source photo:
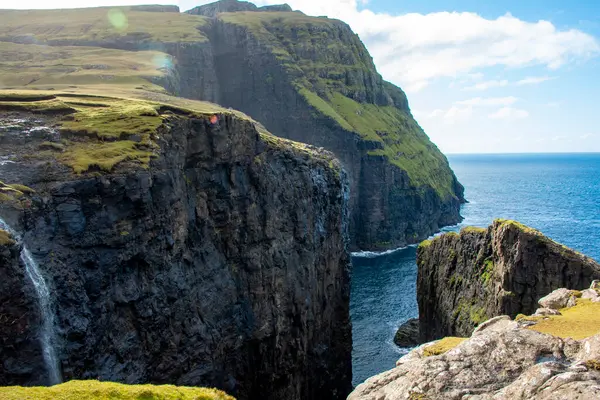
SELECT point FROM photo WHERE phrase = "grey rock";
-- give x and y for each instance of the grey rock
(408, 334)
(591, 294)
(546, 311)
(560, 298)
(503, 363)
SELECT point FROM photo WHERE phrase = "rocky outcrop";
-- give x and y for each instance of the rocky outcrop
(309, 79)
(466, 278)
(201, 268)
(502, 360)
(408, 334)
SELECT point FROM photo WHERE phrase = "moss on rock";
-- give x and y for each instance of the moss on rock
(442, 346)
(95, 390)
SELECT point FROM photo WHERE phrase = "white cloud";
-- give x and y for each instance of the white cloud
(414, 49)
(533, 80)
(487, 85)
(509, 113)
(587, 136)
(488, 101)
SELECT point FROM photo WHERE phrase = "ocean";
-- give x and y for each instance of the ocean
(558, 194)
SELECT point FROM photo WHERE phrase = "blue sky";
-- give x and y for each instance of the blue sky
(510, 76)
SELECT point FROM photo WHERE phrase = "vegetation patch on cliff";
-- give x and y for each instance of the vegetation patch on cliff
(442, 346)
(95, 390)
(578, 322)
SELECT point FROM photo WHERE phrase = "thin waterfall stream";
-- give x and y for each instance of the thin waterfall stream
(48, 326)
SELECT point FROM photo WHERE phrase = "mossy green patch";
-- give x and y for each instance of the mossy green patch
(488, 271)
(103, 155)
(442, 346)
(6, 239)
(473, 229)
(95, 390)
(469, 311)
(578, 322)
(425, 243)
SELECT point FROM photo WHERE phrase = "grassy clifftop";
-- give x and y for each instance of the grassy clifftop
(95, 390)
(330, 67)
(99, 24)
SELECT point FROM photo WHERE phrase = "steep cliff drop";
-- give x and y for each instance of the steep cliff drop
(285, 66)
(466, 278)
(44, 298)
(305, 78)
(176, 252)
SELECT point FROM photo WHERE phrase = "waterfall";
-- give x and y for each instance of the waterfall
(48, 327)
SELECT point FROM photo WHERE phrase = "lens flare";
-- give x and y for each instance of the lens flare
(117, 19)
(161, 61)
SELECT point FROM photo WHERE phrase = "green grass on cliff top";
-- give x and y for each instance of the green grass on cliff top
(95, 390)
(100, 132)
(319, 64)
(45, 66)
(578, 322)
(100, 24)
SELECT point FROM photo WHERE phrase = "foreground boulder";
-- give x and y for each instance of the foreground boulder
(466, 278)
(532, 358)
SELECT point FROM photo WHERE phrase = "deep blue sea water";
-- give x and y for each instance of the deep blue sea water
(559, 194)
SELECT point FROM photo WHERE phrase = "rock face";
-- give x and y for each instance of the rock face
(206, 269)
(501, 361)
(20, 349)
(309, 79)
(464, 279)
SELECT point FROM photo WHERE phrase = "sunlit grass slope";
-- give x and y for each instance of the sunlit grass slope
(95, 390)
(78, 26)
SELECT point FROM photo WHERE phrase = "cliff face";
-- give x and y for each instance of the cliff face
(192, 264)
(312, 80)
(466, 278)
(305, 78)
(20, 350)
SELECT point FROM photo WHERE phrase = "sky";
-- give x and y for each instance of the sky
(481, 76)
